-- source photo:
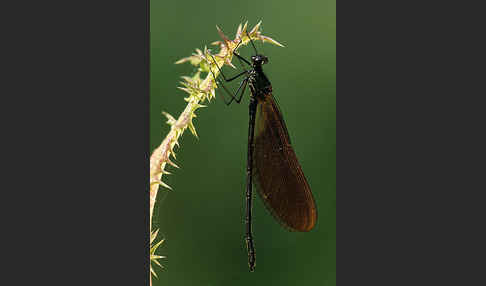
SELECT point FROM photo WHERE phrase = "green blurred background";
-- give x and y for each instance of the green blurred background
(202, 220)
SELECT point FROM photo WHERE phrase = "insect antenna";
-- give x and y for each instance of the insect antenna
(256, 52)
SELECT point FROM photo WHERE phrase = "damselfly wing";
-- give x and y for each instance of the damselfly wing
(279, 177)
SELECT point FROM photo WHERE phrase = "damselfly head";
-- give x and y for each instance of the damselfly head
(259, 60)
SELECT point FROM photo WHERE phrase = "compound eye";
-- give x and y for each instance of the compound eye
(265, 60)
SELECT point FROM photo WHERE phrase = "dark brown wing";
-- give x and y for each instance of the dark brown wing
(279, 177)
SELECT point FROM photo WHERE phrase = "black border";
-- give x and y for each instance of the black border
(409, 158)
(81, 144)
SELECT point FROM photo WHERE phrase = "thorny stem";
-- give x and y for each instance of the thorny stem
(199, 90)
